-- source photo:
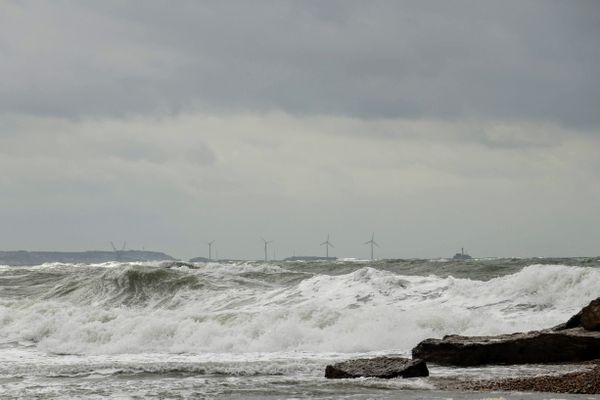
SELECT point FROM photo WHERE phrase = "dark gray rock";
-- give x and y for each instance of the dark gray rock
(379, 367)
(547, 346)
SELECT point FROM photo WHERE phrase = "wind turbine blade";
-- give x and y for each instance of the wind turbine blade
(369, 242)
(331, 244)
(375, 243)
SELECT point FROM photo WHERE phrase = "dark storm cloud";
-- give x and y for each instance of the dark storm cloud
(534, 60)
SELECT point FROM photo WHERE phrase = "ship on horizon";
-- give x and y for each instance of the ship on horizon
(462, 255)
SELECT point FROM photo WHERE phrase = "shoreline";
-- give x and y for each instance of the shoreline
(575, 343)
(586, 381)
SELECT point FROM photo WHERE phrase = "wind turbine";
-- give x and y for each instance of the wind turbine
(372, 243)
(122, 248)
(210, 250)
(266, 244)
(117, 251)
(327, 244)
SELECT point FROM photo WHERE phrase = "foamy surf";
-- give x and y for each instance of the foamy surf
(265, 322)
(234, 308)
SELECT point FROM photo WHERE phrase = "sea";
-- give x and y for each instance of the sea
(267, 330)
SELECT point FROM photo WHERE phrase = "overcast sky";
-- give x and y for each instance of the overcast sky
(434, 124)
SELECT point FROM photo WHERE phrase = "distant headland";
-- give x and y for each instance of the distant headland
(28, 258)
(310, 258)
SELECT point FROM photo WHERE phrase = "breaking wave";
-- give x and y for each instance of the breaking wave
(217, 308)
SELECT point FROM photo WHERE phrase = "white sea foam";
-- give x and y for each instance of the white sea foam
(228, 309)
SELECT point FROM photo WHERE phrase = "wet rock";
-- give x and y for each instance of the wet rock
(379, 367)
(547, 346)
(590, 316)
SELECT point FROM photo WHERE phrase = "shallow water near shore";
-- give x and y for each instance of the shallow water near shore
(256, 330)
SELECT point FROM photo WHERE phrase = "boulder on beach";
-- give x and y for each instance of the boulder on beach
(379, 367)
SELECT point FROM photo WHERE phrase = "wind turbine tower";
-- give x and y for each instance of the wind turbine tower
(210, 250)
(117, 251)
(372, 243)
(327, 244)
(266, 245)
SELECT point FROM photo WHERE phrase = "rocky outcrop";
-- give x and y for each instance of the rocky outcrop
(590, 316)
(549, 346)
(576, 340)
(379, 367)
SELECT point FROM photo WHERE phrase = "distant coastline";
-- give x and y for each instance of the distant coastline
(28, 258)
(310, 258)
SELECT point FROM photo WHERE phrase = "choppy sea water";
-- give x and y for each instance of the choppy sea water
(253, 330)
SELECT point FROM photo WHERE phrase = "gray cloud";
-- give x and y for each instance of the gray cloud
(534, 60)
